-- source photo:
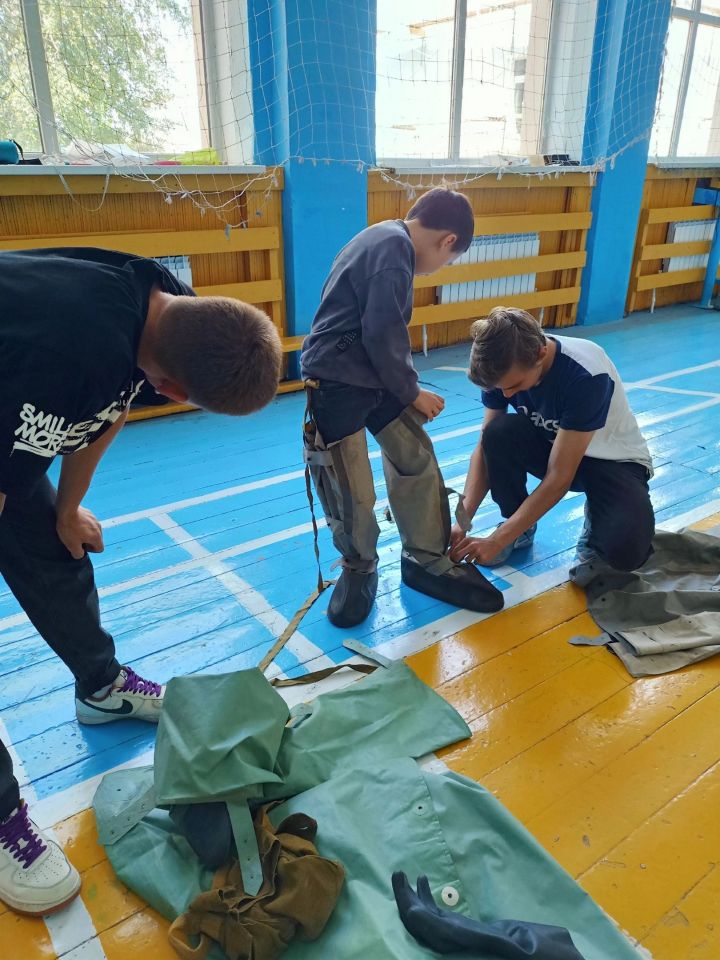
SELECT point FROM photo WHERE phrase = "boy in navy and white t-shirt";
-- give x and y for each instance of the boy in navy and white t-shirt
(574, 430)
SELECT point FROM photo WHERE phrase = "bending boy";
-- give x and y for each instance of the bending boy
(77, 325)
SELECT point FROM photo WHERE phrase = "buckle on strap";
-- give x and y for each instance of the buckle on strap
(317, 458)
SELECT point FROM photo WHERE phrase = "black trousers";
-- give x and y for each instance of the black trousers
(622, 521)
(341, 409)
(59, 596)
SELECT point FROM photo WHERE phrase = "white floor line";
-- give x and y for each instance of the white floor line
(248, 597)
(661, 418)
(66, 803)
(72, 928)
(636, 385)
(299, 530)
(639, 384)
(685, 393)
(151, 512)
(201, 560)
(53, 809)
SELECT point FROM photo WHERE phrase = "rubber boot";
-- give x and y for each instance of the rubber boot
(459, 584)
(353, 598)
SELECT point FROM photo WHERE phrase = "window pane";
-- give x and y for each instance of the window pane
(711, 7)
(700, 123)
(669, 88)
(123, 73)
(18, 119)
(414, 68)
(496, 49)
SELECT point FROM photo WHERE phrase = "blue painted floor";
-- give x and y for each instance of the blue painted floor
(209, 546)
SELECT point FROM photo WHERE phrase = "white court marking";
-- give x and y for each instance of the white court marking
(151, 512)
(300, 529)
(60, 806)
(248, 597)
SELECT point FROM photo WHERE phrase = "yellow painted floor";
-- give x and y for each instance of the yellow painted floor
(618, 778)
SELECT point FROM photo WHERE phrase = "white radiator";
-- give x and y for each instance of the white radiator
(682, 232)
(179, 266)
(508, 246)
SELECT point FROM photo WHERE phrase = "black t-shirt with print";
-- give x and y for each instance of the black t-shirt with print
(70, 327)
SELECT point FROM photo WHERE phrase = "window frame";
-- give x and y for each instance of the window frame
(200, 10)
(694, 18)
(534, 127)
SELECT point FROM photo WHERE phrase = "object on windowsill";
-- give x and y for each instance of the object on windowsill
(560, 160)
(82, 153)
(11, 154)
(208, 157)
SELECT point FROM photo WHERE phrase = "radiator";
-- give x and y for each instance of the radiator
(682, 232)
(179, 267)
(507, 246)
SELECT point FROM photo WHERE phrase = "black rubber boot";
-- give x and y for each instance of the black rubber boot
(353, 598)
(448, 932)
(462, 585)
(207, 828)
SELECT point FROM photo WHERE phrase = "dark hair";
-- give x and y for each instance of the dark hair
(224, 353)
(506, 337)
(444, 209)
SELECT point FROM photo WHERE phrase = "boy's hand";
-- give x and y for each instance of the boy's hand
(429, 404)
(480, 550)
(80, 531)
(456, 535)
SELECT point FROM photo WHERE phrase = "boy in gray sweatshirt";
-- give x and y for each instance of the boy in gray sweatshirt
(357, 364)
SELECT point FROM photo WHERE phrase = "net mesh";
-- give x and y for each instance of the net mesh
(450, 86)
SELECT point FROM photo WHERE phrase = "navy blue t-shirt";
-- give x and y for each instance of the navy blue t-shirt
(581, 391)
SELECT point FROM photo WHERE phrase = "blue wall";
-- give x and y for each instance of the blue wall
(624, 80)
(313, 64)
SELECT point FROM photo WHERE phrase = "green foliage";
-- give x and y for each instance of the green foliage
(107, 66)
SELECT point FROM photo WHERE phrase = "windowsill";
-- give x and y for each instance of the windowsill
(679, 163)
(436, 167)
(149, 170)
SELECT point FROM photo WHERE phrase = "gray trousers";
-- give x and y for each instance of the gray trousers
(337, 453)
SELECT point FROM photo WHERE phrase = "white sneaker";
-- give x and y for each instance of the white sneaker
(35, 876)
(129, 696)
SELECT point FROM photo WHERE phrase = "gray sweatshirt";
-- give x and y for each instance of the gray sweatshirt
(359, 335)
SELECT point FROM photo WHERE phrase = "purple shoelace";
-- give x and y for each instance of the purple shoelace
(136, 684)
(16, 829)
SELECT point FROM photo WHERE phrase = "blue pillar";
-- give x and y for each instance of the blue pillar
(268, 64)
(313, 64)
(624, 80)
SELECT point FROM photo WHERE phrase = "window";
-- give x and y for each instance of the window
(474, 80)
(103, 76)
(687, 119)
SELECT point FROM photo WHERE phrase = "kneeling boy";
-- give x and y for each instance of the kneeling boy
(572, 429)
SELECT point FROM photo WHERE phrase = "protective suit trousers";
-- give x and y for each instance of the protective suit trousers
(336, 451)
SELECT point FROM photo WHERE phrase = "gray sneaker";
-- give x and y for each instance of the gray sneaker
(522, 542)
(584, 553)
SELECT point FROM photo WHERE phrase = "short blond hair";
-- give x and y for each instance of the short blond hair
(507, 336)
(224, 353)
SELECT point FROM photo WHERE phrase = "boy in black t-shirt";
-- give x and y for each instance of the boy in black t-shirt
(81, 330)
